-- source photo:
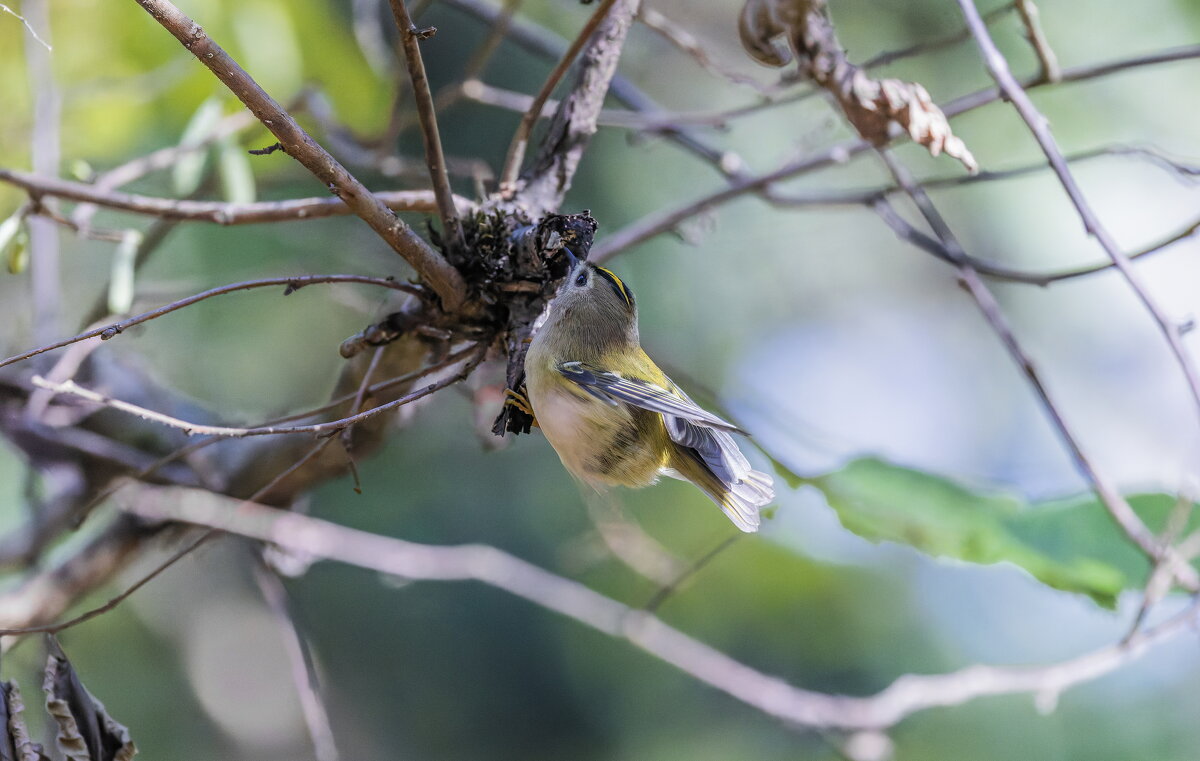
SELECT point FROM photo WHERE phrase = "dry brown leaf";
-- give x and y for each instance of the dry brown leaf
(16, 743)
(871, 105)
(85, 730)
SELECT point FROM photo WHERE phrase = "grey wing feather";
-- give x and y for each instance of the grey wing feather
(749, 489)
(612, 388)
(704, 434)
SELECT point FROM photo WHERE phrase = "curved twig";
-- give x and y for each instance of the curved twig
(292, 284)
(220, 212)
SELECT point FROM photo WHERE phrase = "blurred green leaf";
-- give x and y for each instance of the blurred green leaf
(1070, 545)
(12, 243)
(237, 177)
(276, 59)
(188, 171)
(82, 170)
(121, 281)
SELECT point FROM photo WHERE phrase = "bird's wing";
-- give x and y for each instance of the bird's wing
(679, 413)
(715, 447)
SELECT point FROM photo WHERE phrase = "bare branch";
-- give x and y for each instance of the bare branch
(199, 429)
(666, 220)
(410, 38)
(443, 278)
(891, 56)
(690, 45)
(292, 283)
(971, 101)
(656, 121)
(44, 597)
(498, 30)
(216, 211)
(771, 695)
(520, 140)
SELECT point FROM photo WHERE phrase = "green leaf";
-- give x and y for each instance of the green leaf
(237, 178)
(1070, 545)
(13, 243)
(188, 171)
(124, 264)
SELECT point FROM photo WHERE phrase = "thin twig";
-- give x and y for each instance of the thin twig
(1185, 172)
(687, 43)
(1051, 72)
(665, 592)
(444, 279)
(655, 121)
(410, 38)
(218, 212)
(478, 62)
(291, 283)
(668, 219)
(199, 429)
(889, 57)
(304, 671)
(157, 465)
(28, 27)
(907, 695)
(520, 140)
(906, 231)
(1162, 576)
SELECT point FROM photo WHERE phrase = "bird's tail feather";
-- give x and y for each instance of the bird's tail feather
(740, 499)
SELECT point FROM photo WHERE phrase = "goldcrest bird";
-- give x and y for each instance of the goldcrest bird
(614, 417)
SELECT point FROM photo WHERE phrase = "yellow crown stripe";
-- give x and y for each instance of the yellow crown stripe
(618, 283)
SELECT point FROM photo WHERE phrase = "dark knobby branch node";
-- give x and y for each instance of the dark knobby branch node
(512, 267)
(775, 31)
(268, 150)
(521, 274)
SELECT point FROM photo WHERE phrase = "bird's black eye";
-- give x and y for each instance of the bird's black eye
(581, 280)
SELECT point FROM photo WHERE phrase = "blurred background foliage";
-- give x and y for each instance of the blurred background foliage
(816, 329)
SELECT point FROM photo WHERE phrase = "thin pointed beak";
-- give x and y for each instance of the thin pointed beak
(572, 259)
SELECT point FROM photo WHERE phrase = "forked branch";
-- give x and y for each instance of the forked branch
(444, 279)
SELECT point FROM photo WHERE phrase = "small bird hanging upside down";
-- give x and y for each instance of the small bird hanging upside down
(614, 417)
